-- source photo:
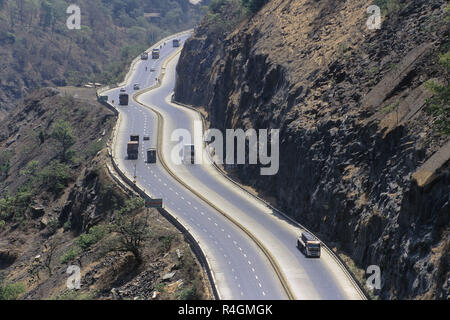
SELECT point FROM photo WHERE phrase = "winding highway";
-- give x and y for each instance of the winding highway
(250, 248)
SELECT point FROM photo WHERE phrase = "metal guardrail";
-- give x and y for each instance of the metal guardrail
(194, 244)
(266, 252)
(195, 247)
(138, 58)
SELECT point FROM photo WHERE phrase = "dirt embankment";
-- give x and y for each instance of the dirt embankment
(355, 126)
(55, 213)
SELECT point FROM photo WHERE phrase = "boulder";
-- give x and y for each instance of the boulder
(37, 211)
(168, 276)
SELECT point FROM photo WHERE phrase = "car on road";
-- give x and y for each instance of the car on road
(152, 69)
(146, 138)
(136, 86)
(123, 90)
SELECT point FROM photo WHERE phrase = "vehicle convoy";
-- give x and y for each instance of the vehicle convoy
(133, 147)
(309, 245)
(175, 43)
(123, 99)
(155, 54)
(188, 154)
(144, 56)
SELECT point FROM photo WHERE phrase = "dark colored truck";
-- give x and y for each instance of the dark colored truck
(123, 99)
(309, 245)
(133, 147)
(144, 56)
(175, 43)
(132, 150)
(151, 155)
(155, 54)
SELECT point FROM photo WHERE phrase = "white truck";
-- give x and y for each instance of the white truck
(309, 245)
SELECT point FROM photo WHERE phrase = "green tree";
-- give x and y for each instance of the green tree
(10, 291)
(62, 132)
(31, 170)
(132, 230)
(47, 14)
(55, 176)
(5, 163)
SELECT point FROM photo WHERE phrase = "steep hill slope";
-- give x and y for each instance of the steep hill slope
(363, 118)
(37, 49)
(61, 206)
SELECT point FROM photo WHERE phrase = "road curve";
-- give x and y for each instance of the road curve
(240, 268)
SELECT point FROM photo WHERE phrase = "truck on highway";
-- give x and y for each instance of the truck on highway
(175, 43)
(133, 147)
(188, 154)
(144, 56)
(309, 245)
(123, 99)
(132, 150)
(155, 53)
(151, 155)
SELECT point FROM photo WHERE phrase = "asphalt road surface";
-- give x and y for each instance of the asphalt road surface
(240, 268)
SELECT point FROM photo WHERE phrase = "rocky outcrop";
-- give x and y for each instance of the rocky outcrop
(89, 201)
(350, 105)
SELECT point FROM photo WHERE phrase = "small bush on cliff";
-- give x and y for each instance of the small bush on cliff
(10, 291)
(215, 6)
(131, 206)
(5, 164)
(95, 234)
(444, 61)
(388, 6)
(56, 176)
(439, 106)
(187, 294)
(69, 255)
(224, 15)
(254, 5)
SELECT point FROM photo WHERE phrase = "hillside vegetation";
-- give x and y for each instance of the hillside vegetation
(37, 49)
(60, 206)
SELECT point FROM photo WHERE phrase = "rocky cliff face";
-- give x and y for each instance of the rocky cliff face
(355, 134)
